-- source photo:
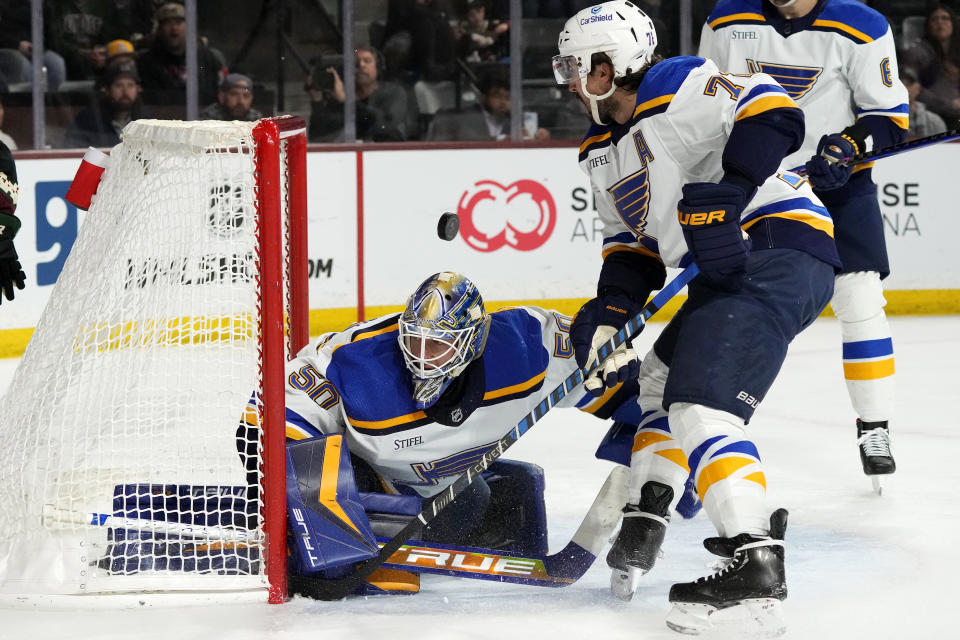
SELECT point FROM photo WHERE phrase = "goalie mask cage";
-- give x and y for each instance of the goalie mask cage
(144, 428)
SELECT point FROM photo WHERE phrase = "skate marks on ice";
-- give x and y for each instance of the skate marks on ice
(452, 608)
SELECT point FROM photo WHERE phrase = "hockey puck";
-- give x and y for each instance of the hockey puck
(448, 226)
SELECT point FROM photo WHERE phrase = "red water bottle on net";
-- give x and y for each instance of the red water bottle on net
(85, 183)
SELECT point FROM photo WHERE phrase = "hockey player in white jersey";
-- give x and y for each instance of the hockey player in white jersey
(837, 59)
(687, 163)
(420, 396)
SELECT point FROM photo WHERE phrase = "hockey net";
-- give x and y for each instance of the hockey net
(143, 430)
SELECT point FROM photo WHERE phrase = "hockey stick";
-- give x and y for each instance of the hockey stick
(337, 588)
(54, 515)
(892, 150)
(552, 570)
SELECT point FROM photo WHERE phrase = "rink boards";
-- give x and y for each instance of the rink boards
(529, 232)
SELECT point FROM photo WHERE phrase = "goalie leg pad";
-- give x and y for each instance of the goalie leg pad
(328, 528)
(516, 519)
(458, 520)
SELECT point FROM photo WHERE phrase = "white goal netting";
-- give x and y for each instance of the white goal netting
(129, 400)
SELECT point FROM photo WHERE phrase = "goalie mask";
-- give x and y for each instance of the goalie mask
(619, 29)
(443, 329)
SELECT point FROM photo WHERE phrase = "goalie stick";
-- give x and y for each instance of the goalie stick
(554, 570)
(337, 588)
(892, 150)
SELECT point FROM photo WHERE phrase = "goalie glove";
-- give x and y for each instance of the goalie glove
(593, 326)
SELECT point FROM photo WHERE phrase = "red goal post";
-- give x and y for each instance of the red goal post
(270, 134)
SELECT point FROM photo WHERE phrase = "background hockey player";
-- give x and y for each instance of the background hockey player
(686, 162)
(11, 273)
(422, 395)
(837, 59)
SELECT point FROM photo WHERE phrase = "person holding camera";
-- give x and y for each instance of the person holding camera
(382, 110)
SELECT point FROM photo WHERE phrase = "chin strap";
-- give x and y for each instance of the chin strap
(594, 114)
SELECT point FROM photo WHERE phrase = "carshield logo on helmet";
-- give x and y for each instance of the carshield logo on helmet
(596, 18)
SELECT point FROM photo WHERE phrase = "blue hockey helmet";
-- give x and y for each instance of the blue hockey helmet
(443, 328)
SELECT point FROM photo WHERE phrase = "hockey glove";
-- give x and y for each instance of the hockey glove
(592, 327)
(709, 215)
(828, 169)
(11, 273)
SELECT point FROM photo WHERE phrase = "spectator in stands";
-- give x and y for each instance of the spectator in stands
(666, 19)
(119, 103)
(488, 120)
(234, 101)
(80, 31)
(137, 21)
(923, 122)
(164, 67)
(5, 137)
(937, 62)
(419, 41)
(382, 113)
(553, 8)
(120, 49)
(16, 47)
(479, 38)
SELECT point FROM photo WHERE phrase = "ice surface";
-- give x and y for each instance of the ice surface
(858, 565)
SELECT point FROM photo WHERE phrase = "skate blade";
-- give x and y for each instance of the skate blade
(759, 618)
(623, 584)
(877, 487)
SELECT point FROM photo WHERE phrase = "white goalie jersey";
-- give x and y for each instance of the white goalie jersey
(355, 382)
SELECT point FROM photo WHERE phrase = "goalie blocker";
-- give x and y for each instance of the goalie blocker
(333, 524)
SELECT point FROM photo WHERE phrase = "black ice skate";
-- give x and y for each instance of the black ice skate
(875, 456)
(753, 582)
(637, 545)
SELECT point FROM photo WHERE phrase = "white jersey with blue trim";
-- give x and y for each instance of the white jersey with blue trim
(840, 67)
(355, 382)
(685, 111)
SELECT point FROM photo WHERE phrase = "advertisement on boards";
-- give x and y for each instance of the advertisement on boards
(50, 226)
(528, 230)
(917, 196)
(528, 226)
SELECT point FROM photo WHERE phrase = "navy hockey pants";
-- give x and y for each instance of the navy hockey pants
(725, 347)
(858, 231)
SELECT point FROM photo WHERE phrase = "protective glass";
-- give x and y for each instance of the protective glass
(566, 69)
